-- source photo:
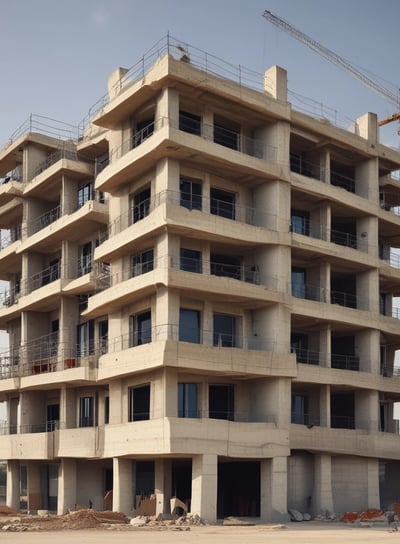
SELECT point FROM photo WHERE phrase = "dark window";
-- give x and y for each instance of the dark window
(143, 130)
(140, 207)
(225, 265)
(188, 400)
(189, 326)
(106, 410)
(298, 282)
(190, 260)
(299, 409)
(343, 353)
(142, 262)
(85, 259)
(53, 417)
(300, 222)
(86, 412)
(189, 122)
(221, 401)
(190, 194)
(85, 338)
(52, 273)
(139, 403)
(85, 193)
(103, 336)
(222, 203)
(141, 329)
(224, 332)
(226, 134)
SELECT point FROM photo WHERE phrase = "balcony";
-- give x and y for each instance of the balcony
(162, 138)
(42, 278)
(315, 230)
(44, 220)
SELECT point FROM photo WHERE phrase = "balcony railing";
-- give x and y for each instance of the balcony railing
(45, 220)
(314, 230)
(345, 362)
(242, 214)
(9, 296)
(10, 236)
(302, 418)
(44, 277)
(56, 156)
(307, 356)
(194, 336)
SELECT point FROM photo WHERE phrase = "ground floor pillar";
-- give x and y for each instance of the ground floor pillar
(67, 479)
(122, 486)
(322, 499)
(204, 487)
(374, 500)
(273, 490)
(33, 486)
(162, 485)
(13, 485)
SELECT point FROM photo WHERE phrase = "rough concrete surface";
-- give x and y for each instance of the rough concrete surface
(298, 533)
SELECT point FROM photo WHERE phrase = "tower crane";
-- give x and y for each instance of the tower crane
(339, 61)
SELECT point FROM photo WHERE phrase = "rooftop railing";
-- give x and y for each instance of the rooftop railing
(46, 126)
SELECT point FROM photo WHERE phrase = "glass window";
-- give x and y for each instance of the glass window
(141, 329)
(190, 194)
(86, 412)
(224, 330)
(85, 338)
(189, 326)
(188, 400)
(222, 203)
(298, 282)
(226, 134)
(85, 193)
(189, 122)
(139, 403)
(140, 205)
(106, 410)
(103, 336)
(142, 262)
(190, 260)
(85, 259)
(300, 222)
(299, 409)
(221, 401)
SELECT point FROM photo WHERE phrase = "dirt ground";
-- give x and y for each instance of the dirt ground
(298, 533)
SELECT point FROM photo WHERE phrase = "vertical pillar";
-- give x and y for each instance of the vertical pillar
(204, 486)
(273, 500)
(33, 486)
(13, 485)
(122, 486)
(162, 485)
(322, 499)
(325, 406)
(66, 486)
(374, 500)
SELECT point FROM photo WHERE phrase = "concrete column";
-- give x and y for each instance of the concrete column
(33, 486)
(367, 127)
(68, 409)
(159, 485)
(273, 499)
(66, 486)
(325, 406)
(325, 346)
(122, 487)
(204, 486)
(322, 499)
(275, 83)
(13, 485)
(374, 500)
(367, 348)
(367, 410)
(367, 287)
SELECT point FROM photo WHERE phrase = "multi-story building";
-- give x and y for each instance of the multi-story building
(200, 301)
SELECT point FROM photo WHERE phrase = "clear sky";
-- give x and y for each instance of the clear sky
(56, 55)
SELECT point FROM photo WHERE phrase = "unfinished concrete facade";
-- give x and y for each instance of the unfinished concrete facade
(200, 302)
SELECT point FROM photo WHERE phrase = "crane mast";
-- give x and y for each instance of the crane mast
(333, 57)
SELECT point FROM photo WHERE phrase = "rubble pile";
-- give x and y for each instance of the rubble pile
(92, 519)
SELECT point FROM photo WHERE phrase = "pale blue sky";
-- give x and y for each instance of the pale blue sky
(55, 55)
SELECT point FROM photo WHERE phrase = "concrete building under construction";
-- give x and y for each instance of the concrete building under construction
(200, 300)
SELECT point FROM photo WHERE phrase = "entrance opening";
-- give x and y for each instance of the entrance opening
(182, 480)
(238, 489)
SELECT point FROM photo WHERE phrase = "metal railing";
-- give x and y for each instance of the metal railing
(314, 230)
(56, 156)
(195, 336)
(8, 237)
(44, 220)
(44, 277)
(345, 362)
(303, 418)
(242, 214)
(44, 125)
(308, 356)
